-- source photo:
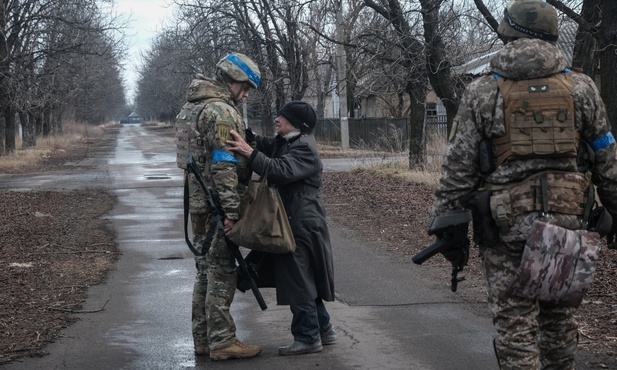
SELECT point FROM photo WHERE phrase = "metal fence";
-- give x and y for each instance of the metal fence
(382, 133)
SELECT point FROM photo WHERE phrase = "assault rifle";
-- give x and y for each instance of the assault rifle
(452, 242)
(216, 226)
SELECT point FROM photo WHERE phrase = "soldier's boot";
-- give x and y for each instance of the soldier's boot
(235, 350)
(202, 349)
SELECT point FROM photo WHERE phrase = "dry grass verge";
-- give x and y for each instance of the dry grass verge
(74, 136)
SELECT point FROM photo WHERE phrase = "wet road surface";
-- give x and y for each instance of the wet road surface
(387, 317)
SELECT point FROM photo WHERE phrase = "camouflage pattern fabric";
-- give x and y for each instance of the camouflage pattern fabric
(215, 123)
(557, 265)
(222, 278)
(530, 334)
(216, 278)
(526, 328)
(199, 321)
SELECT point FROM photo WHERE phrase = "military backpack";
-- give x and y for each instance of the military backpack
(188, 138)
(539, 119)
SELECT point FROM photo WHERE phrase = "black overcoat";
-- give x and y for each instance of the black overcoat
(295, 167)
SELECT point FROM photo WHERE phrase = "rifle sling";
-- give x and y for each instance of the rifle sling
(186, 218)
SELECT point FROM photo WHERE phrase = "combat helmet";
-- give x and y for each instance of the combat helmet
(533, 19)
(240, 68)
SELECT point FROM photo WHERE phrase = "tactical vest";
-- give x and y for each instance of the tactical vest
(188, 138)
(539, 119)
(539, 123)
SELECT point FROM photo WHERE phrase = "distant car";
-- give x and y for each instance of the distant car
(131, 119)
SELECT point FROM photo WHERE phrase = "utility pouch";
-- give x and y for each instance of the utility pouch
(501, 210)
(558, 265)
(600, 221)
(485, 230)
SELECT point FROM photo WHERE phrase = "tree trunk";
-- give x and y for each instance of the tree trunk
(9, 139)
(56, 122)
(416, 122)
(2, 133)
(437, 62)
(46, 117)
(267, 123)
(608, 60)
(28, 130)
(585, 54)
(38, 122)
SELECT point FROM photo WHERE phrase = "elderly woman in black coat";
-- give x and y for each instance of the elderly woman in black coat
(304, 278)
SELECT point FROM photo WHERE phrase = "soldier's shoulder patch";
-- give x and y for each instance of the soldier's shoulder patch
(223, 131)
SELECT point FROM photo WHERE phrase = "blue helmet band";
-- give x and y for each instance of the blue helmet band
(245, 68)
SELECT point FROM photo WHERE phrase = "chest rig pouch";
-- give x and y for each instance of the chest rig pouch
(562, 192)
(187, 136)
(539, 119)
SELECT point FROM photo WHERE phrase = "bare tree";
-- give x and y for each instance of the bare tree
(32, 33)
(411, 51)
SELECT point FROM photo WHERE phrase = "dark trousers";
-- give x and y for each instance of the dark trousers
(309, 321)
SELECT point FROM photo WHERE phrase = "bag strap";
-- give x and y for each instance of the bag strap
(265, 169)
(544, 195)
(591, 195)
(186, 217)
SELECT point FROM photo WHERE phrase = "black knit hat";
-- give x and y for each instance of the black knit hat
(300, 114)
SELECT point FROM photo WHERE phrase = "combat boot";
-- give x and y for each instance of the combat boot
(235, 350)
(202, 349)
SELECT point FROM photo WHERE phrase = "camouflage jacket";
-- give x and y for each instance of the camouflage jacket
(481, 115)
(229, 173)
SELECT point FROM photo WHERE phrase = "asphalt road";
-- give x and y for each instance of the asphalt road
(388, 315)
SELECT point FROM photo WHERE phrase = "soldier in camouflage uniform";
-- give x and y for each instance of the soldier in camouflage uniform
(530, 333)
(211, 109)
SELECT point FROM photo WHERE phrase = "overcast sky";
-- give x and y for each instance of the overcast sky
(146, 17)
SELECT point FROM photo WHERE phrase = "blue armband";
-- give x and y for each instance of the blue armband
(220, 155)
(603, 141)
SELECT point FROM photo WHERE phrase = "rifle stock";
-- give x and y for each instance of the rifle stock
(429, 252)
(217, 220)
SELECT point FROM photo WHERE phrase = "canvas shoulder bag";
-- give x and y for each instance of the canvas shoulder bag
(264, 225)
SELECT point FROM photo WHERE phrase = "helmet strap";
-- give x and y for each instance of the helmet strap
(531, 33)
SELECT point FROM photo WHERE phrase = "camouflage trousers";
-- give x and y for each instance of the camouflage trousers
(530, 334)
(215, 280)
(222, 278)
(199, 323)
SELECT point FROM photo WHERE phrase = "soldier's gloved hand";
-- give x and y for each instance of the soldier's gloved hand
(250, 135)
(458, 257)
(458, 254)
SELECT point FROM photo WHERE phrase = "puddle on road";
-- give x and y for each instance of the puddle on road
(158, 177)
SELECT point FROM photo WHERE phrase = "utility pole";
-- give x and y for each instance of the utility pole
(342, 76)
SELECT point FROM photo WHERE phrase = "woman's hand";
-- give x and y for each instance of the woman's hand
(239, 145)
(228, 225)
